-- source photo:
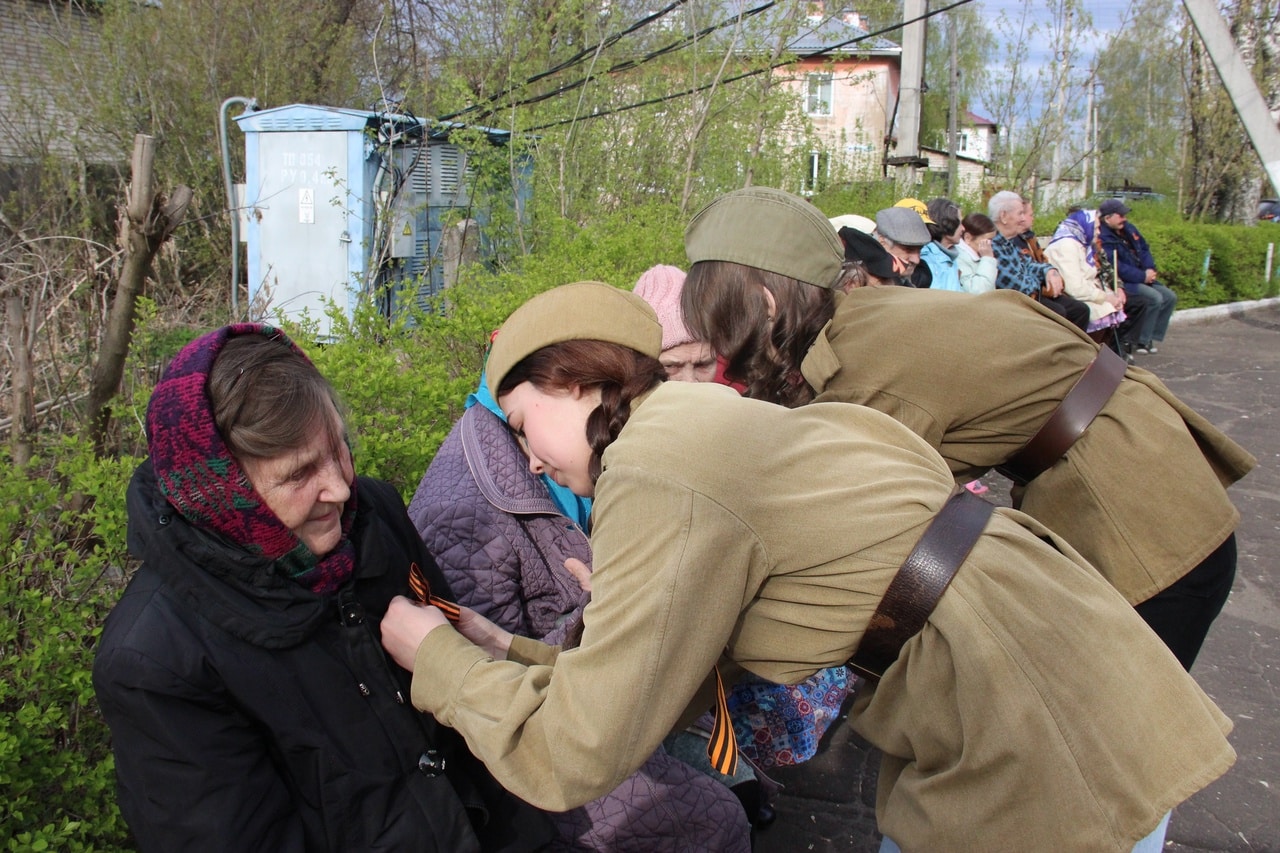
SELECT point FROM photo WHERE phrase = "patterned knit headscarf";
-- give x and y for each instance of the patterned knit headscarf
(202, 481)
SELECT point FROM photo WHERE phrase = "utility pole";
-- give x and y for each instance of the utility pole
(1089, 162)
(1240, 85)
(908, 158)
(953, 135)
(1093, 135)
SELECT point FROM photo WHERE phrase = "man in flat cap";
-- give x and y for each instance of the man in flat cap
(1129, 253)
(902, 232)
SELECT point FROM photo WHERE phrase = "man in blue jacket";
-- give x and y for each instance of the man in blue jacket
(1128, 251)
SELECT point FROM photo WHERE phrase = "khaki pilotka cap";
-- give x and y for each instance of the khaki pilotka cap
(584, 311)
(770, 230)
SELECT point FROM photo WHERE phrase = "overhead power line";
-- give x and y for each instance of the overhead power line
(570, 62)
(629, 64)
(696, 89)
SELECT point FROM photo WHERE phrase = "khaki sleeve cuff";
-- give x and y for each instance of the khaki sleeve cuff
(439, 668)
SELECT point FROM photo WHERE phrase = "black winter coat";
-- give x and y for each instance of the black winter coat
(249, 713)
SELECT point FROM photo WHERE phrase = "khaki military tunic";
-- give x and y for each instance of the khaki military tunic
(1141, 494)
(1035, 707)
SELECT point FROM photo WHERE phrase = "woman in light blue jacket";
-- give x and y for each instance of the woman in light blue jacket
(940, 255)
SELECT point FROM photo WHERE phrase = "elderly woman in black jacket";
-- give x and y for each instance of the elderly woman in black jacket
(250, 702)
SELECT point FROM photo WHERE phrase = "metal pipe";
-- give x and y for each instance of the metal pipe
(250, 105)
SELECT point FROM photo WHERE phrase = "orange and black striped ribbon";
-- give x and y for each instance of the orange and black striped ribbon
(722, 748)
(422, 591)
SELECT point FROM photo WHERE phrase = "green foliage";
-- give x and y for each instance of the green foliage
(59, 575)
(1142, 110)
(975, 45)
(864, 197)
(404, 379)
(1236, 265)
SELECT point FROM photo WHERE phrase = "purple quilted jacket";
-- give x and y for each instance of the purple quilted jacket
(501, 542)
(497, 535)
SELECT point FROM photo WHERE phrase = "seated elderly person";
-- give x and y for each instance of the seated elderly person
(1074, 252)
(1017, 269)
(922, 277)
(250, 703)
(902, 232)
(866, 263)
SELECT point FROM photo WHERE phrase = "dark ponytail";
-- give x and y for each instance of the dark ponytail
(724, 303)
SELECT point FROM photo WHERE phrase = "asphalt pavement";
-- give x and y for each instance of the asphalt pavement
(1225, 362)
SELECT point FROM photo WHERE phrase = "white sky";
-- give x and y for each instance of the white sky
(1107, 15)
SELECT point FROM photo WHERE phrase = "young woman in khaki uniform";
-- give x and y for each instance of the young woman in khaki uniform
(1033, 710)
(1141, 493)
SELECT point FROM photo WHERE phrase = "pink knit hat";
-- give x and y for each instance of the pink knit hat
(660, 286)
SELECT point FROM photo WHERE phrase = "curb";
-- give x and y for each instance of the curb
(1219, 312)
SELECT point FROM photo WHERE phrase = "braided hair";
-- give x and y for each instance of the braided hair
(621, 374)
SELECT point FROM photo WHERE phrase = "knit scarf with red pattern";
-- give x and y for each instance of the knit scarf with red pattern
(202, 480)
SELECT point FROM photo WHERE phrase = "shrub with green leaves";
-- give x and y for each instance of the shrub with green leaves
(62, 572)
(1236, 256)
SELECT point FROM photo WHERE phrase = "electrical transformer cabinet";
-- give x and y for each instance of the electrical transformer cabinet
(347, 204)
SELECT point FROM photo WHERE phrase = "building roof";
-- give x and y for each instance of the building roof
(837, 30)
(835, 36)
(966, 157)
(975, 119)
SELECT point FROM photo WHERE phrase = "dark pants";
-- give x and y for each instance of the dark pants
(1135, 312)
(1068, 306)
(1182, 613)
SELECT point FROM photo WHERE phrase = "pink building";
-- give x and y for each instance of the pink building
(849, 94)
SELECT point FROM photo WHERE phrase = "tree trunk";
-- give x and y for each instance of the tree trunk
(147, 221)
(23, 381)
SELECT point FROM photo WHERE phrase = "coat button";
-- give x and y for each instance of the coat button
(352, 613)
(431, 763)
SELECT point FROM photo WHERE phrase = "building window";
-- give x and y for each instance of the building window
(817, 169)
(818, 102)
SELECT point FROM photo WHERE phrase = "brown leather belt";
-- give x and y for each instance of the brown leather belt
(1072, 417)
(924, 576)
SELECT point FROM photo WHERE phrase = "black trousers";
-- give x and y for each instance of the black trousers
(1134, 311)
(1181, 613)
(1068, 306)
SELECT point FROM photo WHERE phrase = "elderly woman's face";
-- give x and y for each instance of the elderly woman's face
(307, 488)
(689, 362)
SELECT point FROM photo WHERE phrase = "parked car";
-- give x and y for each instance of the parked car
(1269, 210)
(1129, 195)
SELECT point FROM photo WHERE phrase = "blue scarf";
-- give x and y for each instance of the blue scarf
(577, 509)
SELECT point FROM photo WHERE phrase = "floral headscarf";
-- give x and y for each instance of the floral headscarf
(1081, 226)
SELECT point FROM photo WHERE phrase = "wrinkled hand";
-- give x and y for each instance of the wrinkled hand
(488, 636)
(1053, 283)
(581, 572)
(1116, 299)
(1150, 276)
(405, 626)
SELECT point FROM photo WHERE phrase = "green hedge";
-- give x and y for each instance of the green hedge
(404, 382)
(1237, 261)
